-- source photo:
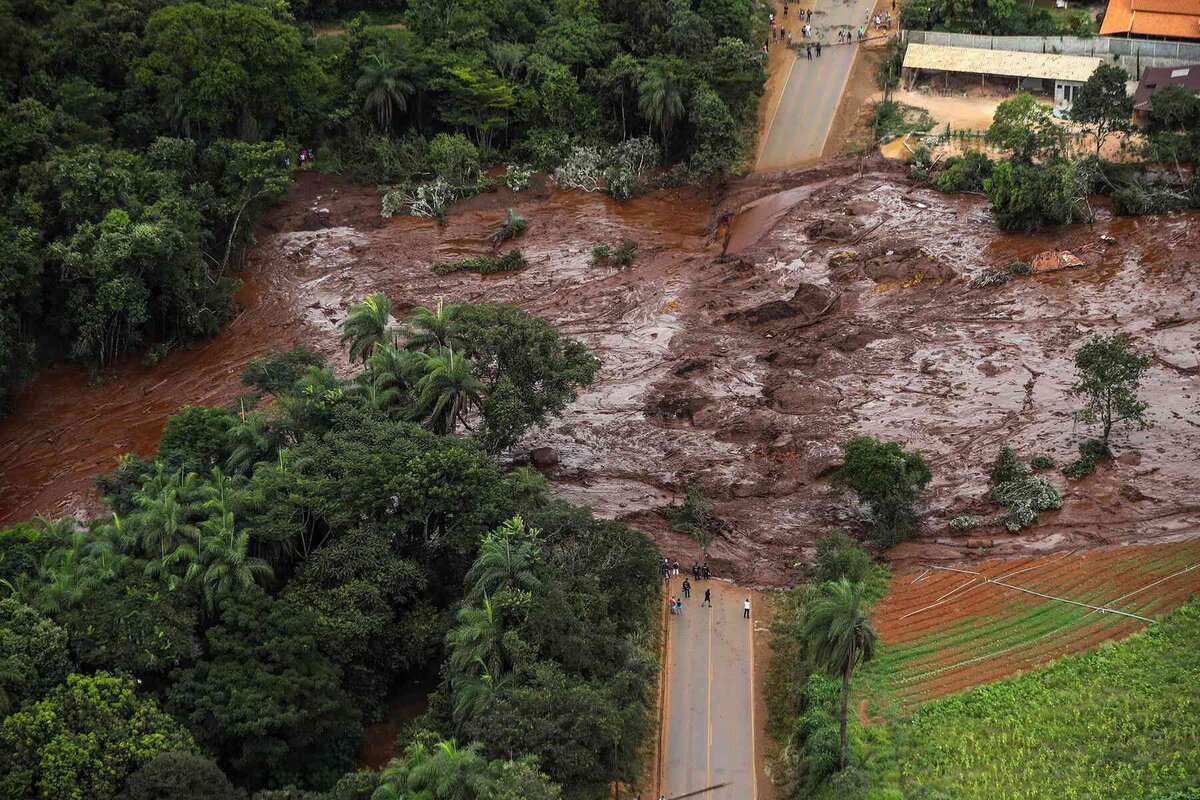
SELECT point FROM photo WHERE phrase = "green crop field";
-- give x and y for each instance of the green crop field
(1120, 722)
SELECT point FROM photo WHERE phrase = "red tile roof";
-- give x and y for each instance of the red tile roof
(1173, 19)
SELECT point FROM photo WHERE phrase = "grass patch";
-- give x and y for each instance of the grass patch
(485, 265)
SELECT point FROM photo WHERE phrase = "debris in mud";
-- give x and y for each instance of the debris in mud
(1054, 260)
(809, 302)
(543, 457)
(829, 230)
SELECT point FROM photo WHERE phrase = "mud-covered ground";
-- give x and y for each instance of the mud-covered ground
(842, 306)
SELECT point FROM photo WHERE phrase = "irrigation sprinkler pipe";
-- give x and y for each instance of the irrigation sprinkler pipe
(1156, 583)
(1101, 609)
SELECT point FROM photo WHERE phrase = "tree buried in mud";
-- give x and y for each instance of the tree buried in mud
(1108, 373)
(696, 517)
(889, 481)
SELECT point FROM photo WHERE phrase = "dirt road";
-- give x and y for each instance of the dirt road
(800, 125)
(711, 722)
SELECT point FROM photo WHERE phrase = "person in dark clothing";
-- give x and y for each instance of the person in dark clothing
(818, 49)
(808, 52)
(695, 571)
(704, 571)
(687, 588)
(675, 567)
(707, 598)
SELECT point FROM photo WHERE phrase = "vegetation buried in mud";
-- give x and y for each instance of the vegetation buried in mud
(888, 481)
(512, 261)
(265, 580)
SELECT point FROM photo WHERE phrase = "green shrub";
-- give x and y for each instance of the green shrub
(605, 256)
(1091, 453)
(965, 522)
(512, 225)
(1006, 467)
(919, 162)
(1042, 462)
(965, 173)
(485, 265)
(516, 177)
(1019, 269)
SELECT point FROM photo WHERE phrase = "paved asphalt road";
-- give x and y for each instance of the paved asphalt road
(710, 713)
(801, 123)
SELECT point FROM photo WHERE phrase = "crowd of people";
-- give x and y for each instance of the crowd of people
(699, 572)
(880, 21)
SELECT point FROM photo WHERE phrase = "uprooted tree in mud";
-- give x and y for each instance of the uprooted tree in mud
(1108, 374)
(889, 481)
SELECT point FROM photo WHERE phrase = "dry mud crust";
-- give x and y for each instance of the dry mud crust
(744, 345)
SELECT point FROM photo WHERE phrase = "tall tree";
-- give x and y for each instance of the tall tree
(1108, 374)
(839, 637)
(660, 99)
(1026, 129)
(1102, 103)
(384, 89)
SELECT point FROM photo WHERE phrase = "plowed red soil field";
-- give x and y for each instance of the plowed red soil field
(945, 630)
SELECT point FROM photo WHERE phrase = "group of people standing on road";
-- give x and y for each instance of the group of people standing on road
(700, 572)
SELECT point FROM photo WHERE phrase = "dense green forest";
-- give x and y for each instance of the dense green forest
(281, 565)
(140, 139)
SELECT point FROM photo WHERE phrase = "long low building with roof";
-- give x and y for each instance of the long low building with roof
(1025, 70)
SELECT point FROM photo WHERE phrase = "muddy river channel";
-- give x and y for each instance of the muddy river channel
(754, 333)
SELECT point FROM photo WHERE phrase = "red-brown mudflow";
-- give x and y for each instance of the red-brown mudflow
(844, 307)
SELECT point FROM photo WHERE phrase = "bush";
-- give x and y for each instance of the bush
(1019, 269)
(965, 173)
(619, 183)
(429, 200)
(1025, 197)
(919, 162)
(991, 277)
(965, 522)
(516, 177)
(512, 225)
(1006, 467)
(454, 159)
(485, 265)
(179, 776)
(1024, 498)
(605, 256)
(1091, 453)
(1042, 462)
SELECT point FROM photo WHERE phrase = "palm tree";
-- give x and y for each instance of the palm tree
(506, 559)
(224, 562)
(473, 695)
(366, 326)
(447, 391)
(384, 89)
(161, 520)
(839, 637)
(443, 772)
(252, 439)
(434, 327)
(477, 645)
(388, 378)
(660, 100)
